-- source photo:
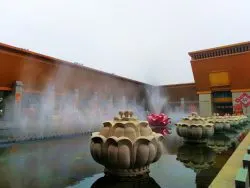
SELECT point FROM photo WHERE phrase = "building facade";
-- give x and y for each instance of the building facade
(222, 78)
(182, 96)
(25, 76)
(222, 82)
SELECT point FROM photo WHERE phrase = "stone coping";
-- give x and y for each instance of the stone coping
(226, 176)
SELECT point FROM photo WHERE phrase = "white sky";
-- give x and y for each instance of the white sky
(146, 40)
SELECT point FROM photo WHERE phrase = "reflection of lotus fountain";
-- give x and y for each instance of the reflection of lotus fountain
(219, 143)
(194, 128)
(114, 182)
(126, 146)
(198, 157)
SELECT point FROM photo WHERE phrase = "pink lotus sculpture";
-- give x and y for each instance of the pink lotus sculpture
(160, 122)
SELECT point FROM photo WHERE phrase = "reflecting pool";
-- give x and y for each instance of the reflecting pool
(68, 163)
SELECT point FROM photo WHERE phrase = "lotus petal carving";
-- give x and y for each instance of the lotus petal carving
(126, 146)
(194, 128)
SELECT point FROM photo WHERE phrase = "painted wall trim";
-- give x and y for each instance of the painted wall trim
(240, 90)
(222, 100)
(203, 92)
(5, 89)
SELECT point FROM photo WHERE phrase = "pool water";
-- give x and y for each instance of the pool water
(68, 163)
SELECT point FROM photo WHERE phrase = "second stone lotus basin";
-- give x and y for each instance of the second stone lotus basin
(238, 121)
(221, 123)
(126, 146)
(194, 128)
(227, 122)
(197, 157)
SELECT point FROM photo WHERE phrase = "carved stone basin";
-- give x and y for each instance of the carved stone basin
(126, 146)
(194, 128)
(237, 121)
(221, 123)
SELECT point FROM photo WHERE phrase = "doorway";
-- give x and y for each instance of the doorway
(222, 102)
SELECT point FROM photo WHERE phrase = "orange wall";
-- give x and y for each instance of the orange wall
(174, 93)
(237, 65)
(36, 73)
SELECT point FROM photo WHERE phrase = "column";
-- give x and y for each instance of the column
(182, 104)
(76, 98)
(205, 104)
(18, 93)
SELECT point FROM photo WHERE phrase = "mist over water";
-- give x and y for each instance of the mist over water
(158, 103)
(47, 114)
(155, 99)
(50, 114)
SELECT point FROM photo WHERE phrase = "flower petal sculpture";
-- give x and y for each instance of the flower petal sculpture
(194, 128)
(159, 122)
(221, 123)
(126, 146)
(227, 122)
(158, 119)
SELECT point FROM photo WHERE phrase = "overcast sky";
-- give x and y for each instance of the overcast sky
(146, 40)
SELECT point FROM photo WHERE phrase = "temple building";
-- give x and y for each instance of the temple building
(221, 75)
(25, 76)
(222, 78)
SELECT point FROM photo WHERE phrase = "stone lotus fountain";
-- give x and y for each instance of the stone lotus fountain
(126, 146)
(221, 123)
(238, 121)
(225, 123)
(194, 128)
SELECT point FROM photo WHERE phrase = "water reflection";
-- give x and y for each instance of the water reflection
(172, 142)
(67, 162)
(114, 182)
(53, 163)
(220, 143)
(197, 157)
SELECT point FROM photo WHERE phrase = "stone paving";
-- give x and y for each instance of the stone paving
(226, 177)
